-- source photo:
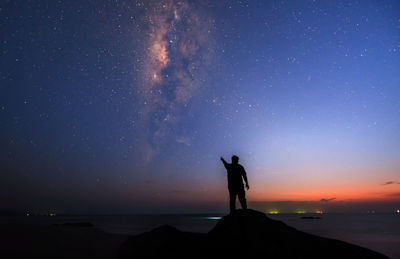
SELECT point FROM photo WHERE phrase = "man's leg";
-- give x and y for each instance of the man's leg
(242, 198)
(232, 200)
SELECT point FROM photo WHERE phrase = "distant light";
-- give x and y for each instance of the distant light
(301, 211)
(273, 212)
(398, 211)
(27, 214)
(214, 218)
(319, 211)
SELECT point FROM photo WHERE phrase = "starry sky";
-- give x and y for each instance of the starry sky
(127, 106)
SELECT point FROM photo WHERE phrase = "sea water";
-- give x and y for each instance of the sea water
(379, 232)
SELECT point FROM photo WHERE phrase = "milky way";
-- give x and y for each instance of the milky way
(178, 52)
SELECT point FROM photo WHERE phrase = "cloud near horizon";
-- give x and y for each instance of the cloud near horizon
(327, 200)
(390, 182)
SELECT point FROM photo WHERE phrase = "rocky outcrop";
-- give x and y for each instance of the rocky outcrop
(244, 234)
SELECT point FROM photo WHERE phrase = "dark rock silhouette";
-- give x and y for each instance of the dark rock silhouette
(244, 234)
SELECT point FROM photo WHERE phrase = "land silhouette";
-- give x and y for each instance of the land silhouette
(243, 234)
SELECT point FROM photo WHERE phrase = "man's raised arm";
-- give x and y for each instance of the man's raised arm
(225, 163)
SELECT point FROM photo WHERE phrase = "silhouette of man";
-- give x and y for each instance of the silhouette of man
(235, 182)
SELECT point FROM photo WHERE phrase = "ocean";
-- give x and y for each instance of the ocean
(379, 232)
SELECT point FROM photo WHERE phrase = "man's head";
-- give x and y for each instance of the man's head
(235, 159)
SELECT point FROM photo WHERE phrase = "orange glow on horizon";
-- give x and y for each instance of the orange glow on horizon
(336, 194)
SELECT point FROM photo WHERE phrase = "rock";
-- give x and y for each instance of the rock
(163, 242)
(244, 234)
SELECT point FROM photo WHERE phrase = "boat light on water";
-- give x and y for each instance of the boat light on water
(214, 218)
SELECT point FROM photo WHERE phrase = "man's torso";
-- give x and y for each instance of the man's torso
(235, 172)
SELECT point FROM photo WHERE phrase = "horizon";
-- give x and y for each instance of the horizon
(128, 106)
(267, 207)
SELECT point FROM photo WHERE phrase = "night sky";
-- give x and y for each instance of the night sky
(127, 106)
